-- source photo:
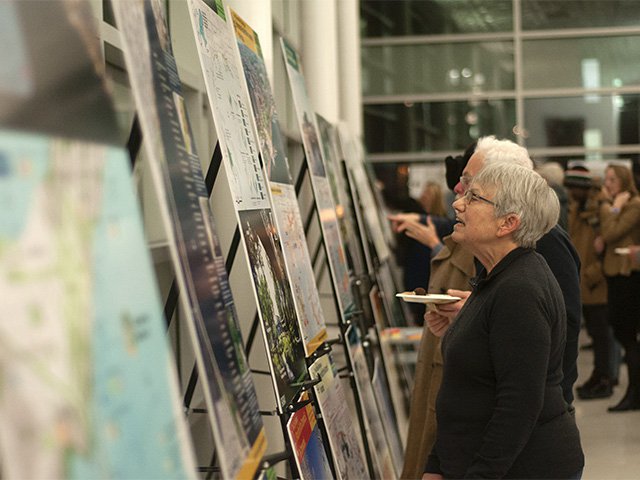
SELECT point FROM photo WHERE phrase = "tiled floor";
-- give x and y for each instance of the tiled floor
(611, 441)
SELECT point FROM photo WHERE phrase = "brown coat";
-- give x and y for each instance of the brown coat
(583, 229)
(452, 267)
(619, 230)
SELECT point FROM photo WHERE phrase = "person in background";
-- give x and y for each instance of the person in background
(584, 226)
(555, 247)
(620, 228)
(553, 173)
(501, 410)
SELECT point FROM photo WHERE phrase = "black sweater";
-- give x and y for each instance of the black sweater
(500, 409)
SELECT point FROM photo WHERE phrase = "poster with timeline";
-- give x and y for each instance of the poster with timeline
(89, 387)
(231, 109)
(307, 445)
(348, 456)
(283, 196)
(232, 404)
(322, 190)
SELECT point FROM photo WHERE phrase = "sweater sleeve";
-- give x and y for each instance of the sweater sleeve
(520, 343)
(615, 226)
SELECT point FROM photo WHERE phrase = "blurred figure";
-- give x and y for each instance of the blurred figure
(584, 227)
(620, 228)
(553, 173)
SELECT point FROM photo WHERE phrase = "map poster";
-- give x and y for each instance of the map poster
(52, 74)
(387, 414)
(283, 196)
(333, 166)
(348, 456)
(89, 388)
(211, 317)
(375, 431)
(231, 110)
(308, 448)
(322, 190)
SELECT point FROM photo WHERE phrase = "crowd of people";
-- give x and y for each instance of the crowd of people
(533, 254)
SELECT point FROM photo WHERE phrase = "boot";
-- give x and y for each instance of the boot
(601, 389)
(631, 399)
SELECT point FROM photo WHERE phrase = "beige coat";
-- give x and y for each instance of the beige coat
(619, 230)
(452, 267)
(583, 229)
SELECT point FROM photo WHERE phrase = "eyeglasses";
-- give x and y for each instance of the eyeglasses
(470, 197)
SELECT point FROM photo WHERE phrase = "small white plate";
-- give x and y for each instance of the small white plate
(434, 298)
(622, 251)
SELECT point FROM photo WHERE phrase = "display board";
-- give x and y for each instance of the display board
(354, 161)
(333, 163)
(322, 190)
(382, 460)
(348, 455)
(308, 447)
(208, 305)
(281, 187)
(88, 377)
(231, 110)
(52, 74)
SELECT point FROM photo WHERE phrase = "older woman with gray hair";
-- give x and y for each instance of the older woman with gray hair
(500, 409)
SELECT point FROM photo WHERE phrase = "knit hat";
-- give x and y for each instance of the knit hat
(578, 177)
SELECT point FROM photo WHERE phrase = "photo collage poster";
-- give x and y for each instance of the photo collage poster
(231, 110)
(227, 384)
(379, 446)
(333, 163)
(349, 458)
(307, 445)
(322, 190)
(283, 195)
(85, 365)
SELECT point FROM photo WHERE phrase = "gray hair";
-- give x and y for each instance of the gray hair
(503, 151)
(523, 192)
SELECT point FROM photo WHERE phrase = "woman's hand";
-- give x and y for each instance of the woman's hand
(432, 476)
(425, 234)
(399, 218)
(598, 244)
(450, 310)
(438, 324)
(621, 200)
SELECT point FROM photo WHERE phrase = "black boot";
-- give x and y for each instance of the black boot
(600, 389)
(631, 399)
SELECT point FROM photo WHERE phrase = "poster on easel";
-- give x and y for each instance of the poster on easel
(387, 414)
(232, 404)
(308, 447)
(382, 459)
(231, 109)
(333, 166)
(368, 201)
(89, 384)
(281, 187)
(349, 458)
(322, 190)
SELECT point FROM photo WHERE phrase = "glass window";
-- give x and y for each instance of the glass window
(437, 68)
(545, 14)
(383, 18)
(590, 121)
(435, 126)
(581, 62)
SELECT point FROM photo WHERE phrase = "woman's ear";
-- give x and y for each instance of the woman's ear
(508, 224)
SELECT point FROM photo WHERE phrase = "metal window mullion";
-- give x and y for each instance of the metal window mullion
(520, 127)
